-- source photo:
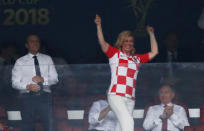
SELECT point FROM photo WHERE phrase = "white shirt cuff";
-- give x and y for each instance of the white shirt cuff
(100, 120)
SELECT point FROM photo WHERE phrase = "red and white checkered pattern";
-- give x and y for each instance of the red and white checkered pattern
(124, 72)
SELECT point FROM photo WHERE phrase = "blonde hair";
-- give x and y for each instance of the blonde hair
(121, 38)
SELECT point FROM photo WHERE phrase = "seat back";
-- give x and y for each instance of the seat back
(189, 128)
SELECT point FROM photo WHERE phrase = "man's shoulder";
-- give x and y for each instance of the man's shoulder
(178, 106)
(44, 55)
(155, 106)
(22, 57)
(175, 105)
(26, 57)
(100, 101)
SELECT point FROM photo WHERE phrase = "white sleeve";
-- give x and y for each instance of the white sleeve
(16, 77)
(94, 113)
(179, 118)
(201, 20)
(52, 74)
(152, 120)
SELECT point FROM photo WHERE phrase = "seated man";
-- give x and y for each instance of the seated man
(101, 118)
(167, 115)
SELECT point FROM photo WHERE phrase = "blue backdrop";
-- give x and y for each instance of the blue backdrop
(66, 27)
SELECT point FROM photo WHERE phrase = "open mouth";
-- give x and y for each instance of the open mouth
(127, 47)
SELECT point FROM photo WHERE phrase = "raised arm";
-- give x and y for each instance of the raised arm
(153, 42)
(104, 45)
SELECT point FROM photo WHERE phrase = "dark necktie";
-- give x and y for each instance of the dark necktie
(38, 73)
(37, 68)
(164, 123)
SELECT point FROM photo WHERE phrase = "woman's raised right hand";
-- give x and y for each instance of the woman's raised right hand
(97, 20)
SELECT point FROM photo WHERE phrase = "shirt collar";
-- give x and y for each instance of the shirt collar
(169, 104)
(31, 55)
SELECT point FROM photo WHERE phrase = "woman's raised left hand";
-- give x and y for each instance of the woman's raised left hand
(150, 30)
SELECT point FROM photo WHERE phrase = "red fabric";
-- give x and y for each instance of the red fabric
(189, 128)
(199, 128)
(139, 129)
(5, 129)
(130, 73)
(113, 88)
(134, 83)
(202, 114)
(129, 90)
(194, 128)
(111, 51)
(121, 80)
(120, 94)
(144, 58)
(123, 63)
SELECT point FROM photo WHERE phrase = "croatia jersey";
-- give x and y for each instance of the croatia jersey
(124, 70)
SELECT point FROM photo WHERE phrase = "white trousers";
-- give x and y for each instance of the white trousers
(123, 108)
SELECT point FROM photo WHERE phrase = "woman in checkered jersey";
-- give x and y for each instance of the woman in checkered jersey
(124, 64)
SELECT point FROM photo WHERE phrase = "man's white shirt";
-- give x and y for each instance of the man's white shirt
(106, 124)
(176, 122)
(24, 70)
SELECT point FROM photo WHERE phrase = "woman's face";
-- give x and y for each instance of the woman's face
(128, 44)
